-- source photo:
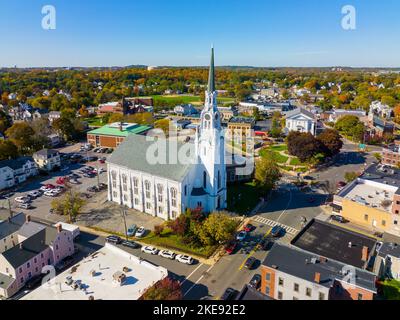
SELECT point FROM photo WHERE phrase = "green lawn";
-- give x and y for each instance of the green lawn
(94, 122)
(174, 242)
(280, 159)
(243, 197)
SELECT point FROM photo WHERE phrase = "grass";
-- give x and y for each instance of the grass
(296, 162)
(173, 242)
(94, 122)
(279, 158)
(243, 197)
(391, 289)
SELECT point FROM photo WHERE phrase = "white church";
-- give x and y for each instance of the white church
(166, 190)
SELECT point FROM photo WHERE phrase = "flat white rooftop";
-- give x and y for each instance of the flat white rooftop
(371, 195)
(96, 275)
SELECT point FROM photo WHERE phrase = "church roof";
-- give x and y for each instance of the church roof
(211, 75)
(131, 154)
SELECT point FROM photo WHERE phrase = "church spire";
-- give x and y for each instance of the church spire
(211, 76)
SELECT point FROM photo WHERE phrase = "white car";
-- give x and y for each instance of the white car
(167, 254)
(241, 236)
(34, 194)
(140, 232)
(100, 170)
(51, 193)
(184, 259)
(44, 189)
(22, 199)
(150, 250)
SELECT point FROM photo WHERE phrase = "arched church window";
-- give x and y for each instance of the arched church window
(114, 179)
(136, 186)
(160, 190)
(147, 186)
(204, 180)
(219, 179)
(125, 182)
(173, 197)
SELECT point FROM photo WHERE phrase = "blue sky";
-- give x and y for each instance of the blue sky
(180, 32)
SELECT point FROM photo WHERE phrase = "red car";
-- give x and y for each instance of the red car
(231, 247)
(60, 181)
(50, 186)
(248, 228)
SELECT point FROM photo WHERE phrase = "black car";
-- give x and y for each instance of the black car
(113, 239)
(34, 282)
(255, 281)
(338, 218)
(276, 231)
(250, 262)
(229, 294)
(131, 244)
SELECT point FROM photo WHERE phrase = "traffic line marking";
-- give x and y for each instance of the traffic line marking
(197, 282)
(272, 223)
(187, 278)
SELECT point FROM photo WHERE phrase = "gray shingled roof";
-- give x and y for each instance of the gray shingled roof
(391, 249)
(12, 225)
(45, 153)
(300, 111)
(298, 263)
(5, 281)
(31, 247)
(131, 154)
(15, 163)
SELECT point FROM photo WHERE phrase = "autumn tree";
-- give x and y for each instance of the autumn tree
(267, 172)
(65, 127)
(21, 134)
(8, 150)
(331, 142)
(219, 227)
(165, 290)
(351, 126)
(303, 145)
(70, 204)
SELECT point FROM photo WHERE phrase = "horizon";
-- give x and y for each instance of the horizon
(259, 34)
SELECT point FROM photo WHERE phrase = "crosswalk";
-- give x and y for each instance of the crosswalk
(272, 224)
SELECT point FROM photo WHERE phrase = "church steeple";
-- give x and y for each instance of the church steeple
(211, 75)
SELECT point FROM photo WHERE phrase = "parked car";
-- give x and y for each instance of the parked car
(184, 259)
(250, 262)
(34, 282)
(22, 199)
(131, 230)
(34, 194)
(231, 247)
(99, 170)
(338, 218)
(241, 236)
(167, 254)
(26, 206)
(248, 227)
(74, 181)
(140, 232)
(150, 250)
(96, 149)
(229, 294)
(109, 151)
(131, 244)
(113, 239)
(102, 160)
(102, 186)
(276, 231)
(255, 281)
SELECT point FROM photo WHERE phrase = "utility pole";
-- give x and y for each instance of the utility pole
(9, 207)
(124, 217)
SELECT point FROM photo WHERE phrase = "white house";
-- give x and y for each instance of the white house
(302, 121)
(151, 178)
(15, 171)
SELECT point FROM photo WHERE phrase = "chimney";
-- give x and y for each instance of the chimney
(28, 218)
(59, 228)
(364, 256)
(121, 127)
(317, 277)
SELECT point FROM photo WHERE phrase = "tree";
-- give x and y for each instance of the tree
(166, 289)
(303, 145)
(350, 176)
(158, 230)
(267, 172)
(8, 150)
(180, 225)
(21, 134)
(256, 114)
(391, 290)
(351, 127)
(5, 122)
(378, 156)
(331, 141)
(65, 127)
(70, 204)
(219, 227)
(163, 125)
(116, 117)
(396, 111)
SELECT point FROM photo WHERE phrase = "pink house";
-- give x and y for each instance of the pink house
(26, 260)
